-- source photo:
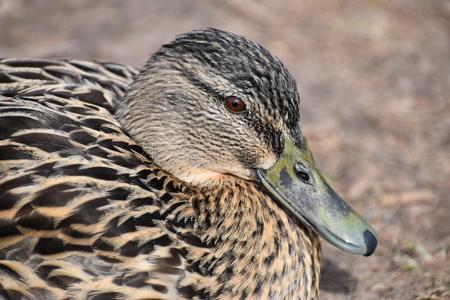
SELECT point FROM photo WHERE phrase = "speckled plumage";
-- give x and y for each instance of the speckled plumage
(85, 213)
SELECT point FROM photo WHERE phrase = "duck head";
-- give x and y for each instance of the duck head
(213, 104)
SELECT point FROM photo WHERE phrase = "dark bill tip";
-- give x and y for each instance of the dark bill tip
(371, 242)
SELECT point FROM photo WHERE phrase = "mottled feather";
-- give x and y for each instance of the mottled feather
(86, 214)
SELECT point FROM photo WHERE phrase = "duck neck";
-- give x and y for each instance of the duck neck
(257, 249)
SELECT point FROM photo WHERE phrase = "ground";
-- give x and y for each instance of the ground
(374, 79)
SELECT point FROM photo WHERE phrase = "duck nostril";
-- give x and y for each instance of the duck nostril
(304, 176)
(301, 173)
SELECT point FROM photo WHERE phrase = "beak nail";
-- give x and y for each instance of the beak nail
(371, 242)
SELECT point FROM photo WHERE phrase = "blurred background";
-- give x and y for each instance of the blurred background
(374, 80)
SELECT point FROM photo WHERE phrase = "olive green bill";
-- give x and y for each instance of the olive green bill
(297, 184)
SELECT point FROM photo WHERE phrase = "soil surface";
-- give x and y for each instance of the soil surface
(374, 78)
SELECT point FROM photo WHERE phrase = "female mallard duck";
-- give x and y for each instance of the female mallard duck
(188, 179)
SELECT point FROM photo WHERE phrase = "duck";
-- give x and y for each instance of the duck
(189, 178)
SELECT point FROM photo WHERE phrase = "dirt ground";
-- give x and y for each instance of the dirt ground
(374, 78)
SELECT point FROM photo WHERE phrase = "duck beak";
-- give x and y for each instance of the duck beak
(297, 184)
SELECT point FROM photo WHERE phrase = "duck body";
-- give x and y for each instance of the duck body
(85, 213)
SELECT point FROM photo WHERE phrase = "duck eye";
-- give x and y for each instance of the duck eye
(234, 104)
(304, 176)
